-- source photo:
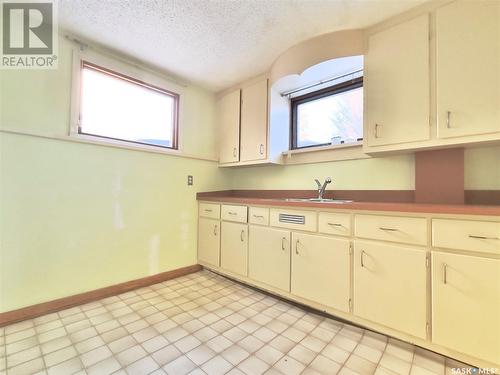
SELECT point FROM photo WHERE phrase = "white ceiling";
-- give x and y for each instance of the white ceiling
(216, 43)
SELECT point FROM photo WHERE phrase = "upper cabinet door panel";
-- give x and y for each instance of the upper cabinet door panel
(254, 121)
(468, 68)
(229, 117)
(397, 84)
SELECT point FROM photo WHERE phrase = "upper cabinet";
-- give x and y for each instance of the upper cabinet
(243, 124)
(254, 121)
(468, 68)
(397, 84)
(229, 122)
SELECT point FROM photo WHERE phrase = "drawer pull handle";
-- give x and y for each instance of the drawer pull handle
(241, 235)
(335, 224)
(483, 237)
(388, 229)
(208, 210)
(445, 268)
(232, 213)
(259, 216)
(283, 240)
(361, 259)
(215, 230)
(297, 247)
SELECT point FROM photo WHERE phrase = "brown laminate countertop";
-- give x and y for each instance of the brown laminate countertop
(459, 209)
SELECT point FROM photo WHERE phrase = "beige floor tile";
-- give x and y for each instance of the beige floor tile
(235, 354)
(89, 344)
(59, 356)
(429, 360)
(395, 364)
(20, 345)
(235, 334)
(180, 366)
(219, 344)
(131, 355)
(324, 365)
(143, 366)
(95, 355)
(282, 344)
(302, 354)
(313, 343)
(155, 343)
(290, 366)
(187, 343)
(400, 349)
(253, 366)
(27, 368)
(23, 356)
(369, 353)
(216, 366)
(344, 342)
(166, 355)
(251, 344)
(105, 367)
(335, 353)
(70, 366)
(360, 365)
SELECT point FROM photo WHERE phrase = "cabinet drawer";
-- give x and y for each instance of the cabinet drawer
(234, 213)
(210, 210)
(259, 215)
(480, 236)
(293, 219)
(332, 223)
(411, 230)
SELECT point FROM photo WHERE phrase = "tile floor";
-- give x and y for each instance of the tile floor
(203, 324)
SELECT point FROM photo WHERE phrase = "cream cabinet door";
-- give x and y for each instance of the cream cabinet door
(234, 247)
(254, 121)
(269, 256)
(466, 304)
(468, 68)
(321, 269)
(209, 241)
(229, 127)
(396, 84)
(390, 286)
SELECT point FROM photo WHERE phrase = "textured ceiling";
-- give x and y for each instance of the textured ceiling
(216, 43)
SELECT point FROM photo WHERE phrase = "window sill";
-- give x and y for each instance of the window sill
(320, 154)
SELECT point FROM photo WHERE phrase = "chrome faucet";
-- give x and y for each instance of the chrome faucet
(322, 188)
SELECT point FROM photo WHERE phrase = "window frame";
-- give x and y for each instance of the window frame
(125, 77)
(311, 96)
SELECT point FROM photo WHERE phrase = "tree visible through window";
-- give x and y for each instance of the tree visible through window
(329, 116)
(115, 106)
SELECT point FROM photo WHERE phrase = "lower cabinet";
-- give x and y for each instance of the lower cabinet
(234, 247)
(269, 256)
(321, 269)
(209, 241)
(466, 304)
(390, 286)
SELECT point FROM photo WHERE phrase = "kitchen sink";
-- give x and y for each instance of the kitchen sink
(323, 200)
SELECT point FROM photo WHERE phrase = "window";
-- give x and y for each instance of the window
(118, 107)
(329, 116)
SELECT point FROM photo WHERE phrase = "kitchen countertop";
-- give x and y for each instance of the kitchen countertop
(459, 209)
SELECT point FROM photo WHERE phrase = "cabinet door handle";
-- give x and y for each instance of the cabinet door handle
(361, 259)
(234, 152)
(208, 210)
(376, 131)
(232, 213)
(261, 149)
(388, 229)
(448, 123)
(445, 269)
(483, 237)
(215, 230)
(297, 247)
(259, 216)
(241, 235)
(283, 241)
(335, 224)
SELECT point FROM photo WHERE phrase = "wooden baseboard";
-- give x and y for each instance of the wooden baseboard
(33, 311)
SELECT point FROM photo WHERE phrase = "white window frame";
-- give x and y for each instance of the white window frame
(127, 69)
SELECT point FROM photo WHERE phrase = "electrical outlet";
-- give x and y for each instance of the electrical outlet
(190, 180)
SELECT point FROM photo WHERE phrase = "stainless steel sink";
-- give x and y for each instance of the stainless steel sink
(318, 200)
